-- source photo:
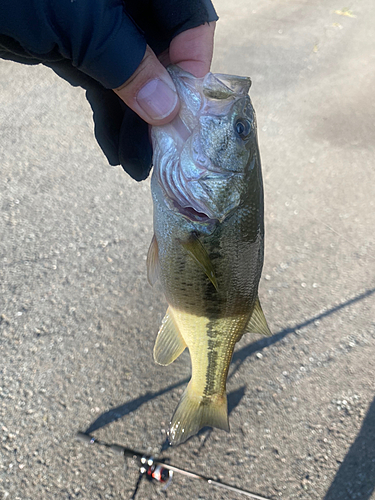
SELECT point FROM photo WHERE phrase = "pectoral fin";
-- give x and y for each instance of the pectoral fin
(196, 250)
(153, 266)
(258, 322)
(169, 342)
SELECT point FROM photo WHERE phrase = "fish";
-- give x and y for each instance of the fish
(207, 250)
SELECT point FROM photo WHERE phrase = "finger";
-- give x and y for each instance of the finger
(192, 49)
(150, 91)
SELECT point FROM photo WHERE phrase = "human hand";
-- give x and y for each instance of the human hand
(99, 44)
(150, 91)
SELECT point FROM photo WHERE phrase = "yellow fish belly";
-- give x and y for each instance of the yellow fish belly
(211, 343)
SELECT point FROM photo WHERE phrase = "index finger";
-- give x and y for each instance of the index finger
(192, 49)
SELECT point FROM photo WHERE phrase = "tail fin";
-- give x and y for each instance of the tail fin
(194, 412)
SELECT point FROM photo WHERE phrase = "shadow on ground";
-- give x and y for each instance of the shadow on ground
(240, 356)
(356, 475)
(238, 359)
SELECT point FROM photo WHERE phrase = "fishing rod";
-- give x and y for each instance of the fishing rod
(159, 470)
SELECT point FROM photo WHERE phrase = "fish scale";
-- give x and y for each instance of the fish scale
(207, 249)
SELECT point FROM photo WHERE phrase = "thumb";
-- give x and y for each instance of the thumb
(150, 91)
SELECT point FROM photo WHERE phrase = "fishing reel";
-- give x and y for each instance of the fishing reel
(161, 471)
(148, 468)
(155, 471)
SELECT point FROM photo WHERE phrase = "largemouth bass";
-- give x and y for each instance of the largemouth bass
(207, 248)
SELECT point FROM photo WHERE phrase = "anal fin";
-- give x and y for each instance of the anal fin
(169, 342)
(257, 322)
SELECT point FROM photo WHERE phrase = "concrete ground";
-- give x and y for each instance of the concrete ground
(78, 318)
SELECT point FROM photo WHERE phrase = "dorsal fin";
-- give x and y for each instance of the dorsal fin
(257, 322)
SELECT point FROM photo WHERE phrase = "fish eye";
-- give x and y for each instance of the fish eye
(242, 128)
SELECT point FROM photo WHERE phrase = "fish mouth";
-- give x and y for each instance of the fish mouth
(191, 214)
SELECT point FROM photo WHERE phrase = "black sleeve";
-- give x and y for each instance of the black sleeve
(86, 32)
(162, 20)
(80, 40)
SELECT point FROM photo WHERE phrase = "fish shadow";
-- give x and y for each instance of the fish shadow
(121, 411)
(356, 475)
(238, 359)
